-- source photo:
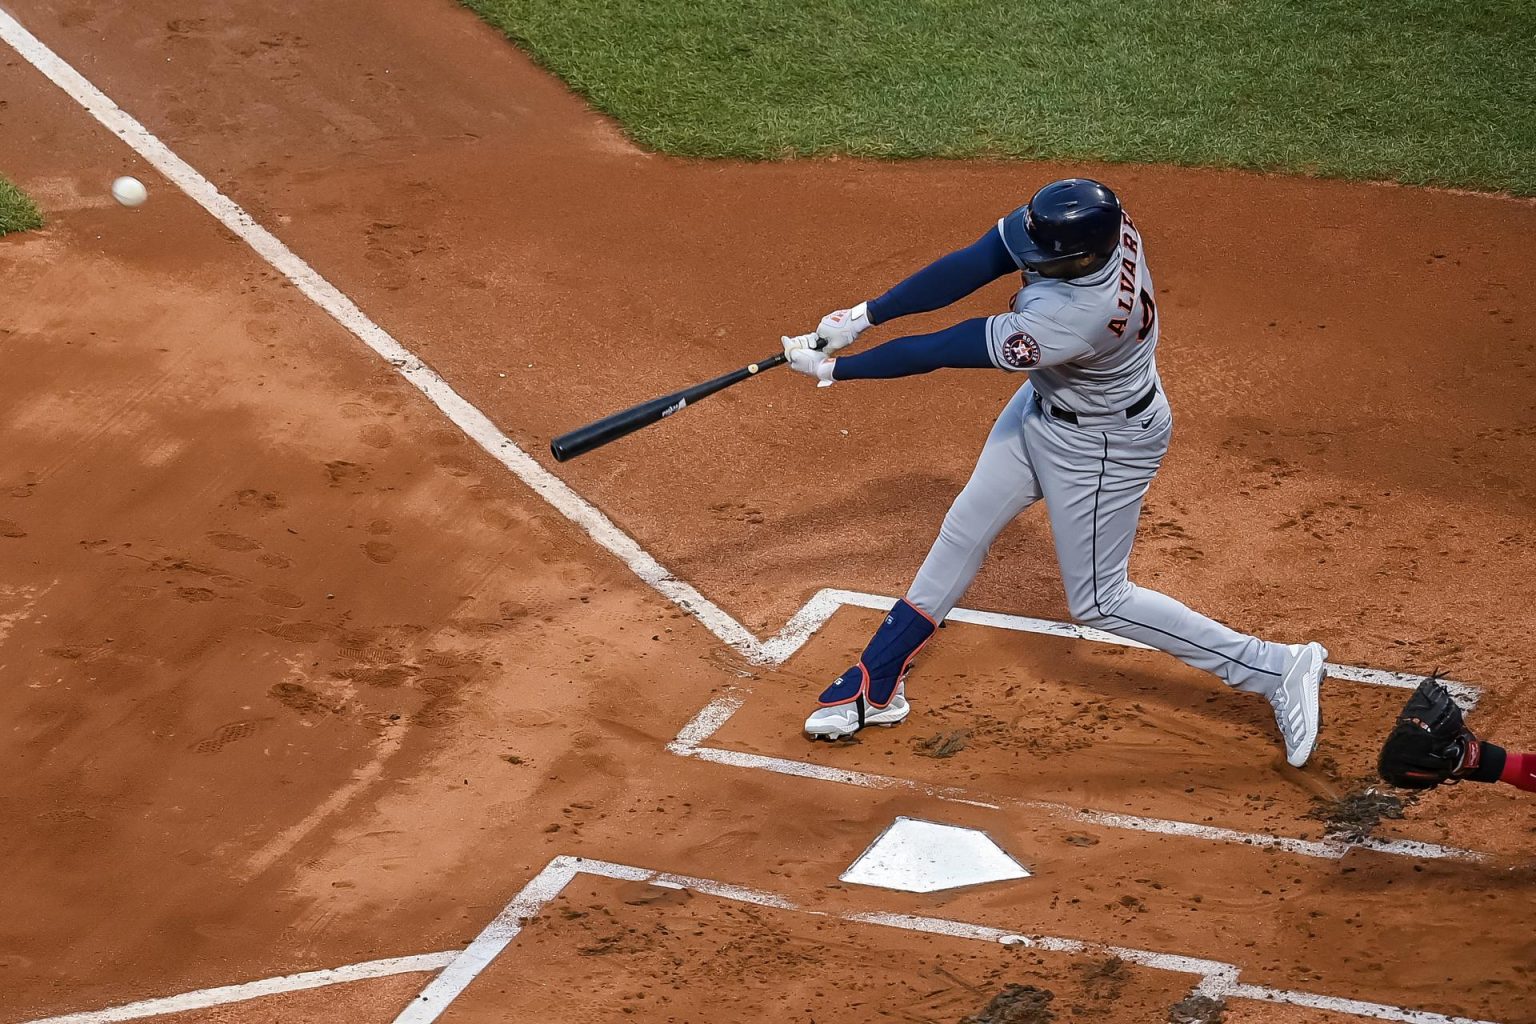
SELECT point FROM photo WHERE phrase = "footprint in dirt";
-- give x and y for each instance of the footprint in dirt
(227, 734)
(280, 598)
(442, 705)
(300, 632)
(233, 541)
(453, 463)
(380, 551)
(299, 697)
(384, 677)
(341, 471)
(376, 435)
(261, 501)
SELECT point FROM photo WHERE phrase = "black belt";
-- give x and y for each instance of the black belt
(1136, 408)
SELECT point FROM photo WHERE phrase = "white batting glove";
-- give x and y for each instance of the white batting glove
(803, 357)
(799, 342)
(841, 327)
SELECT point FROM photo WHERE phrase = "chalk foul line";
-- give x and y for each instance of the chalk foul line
(465, 416)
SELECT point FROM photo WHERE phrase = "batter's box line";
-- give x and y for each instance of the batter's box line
(825, 603)
(719, 711)
(691, 740)
(206, 998)
(1214, 978)
(458, 968)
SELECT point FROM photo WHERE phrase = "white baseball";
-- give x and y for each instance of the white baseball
(129, 191)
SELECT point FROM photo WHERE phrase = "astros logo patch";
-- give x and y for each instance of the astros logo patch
(1021, 350)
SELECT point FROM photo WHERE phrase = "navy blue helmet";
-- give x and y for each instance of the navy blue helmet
(1067, 229)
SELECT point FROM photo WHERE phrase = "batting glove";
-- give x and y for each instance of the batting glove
(803, 358)
(841, 327)
(799, 343)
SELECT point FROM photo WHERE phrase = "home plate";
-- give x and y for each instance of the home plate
(923, 856)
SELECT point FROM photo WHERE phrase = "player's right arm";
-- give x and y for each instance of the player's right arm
(947, 279)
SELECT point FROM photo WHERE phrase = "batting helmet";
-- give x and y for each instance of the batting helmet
(1067, 229)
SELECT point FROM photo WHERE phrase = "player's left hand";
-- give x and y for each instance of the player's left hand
(804, 357)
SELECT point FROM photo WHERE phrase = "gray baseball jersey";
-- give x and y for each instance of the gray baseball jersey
(1089, 344)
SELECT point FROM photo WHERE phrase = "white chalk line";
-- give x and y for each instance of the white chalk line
(714, 716)
(459, 968)
(830, 600)
(465, 416)
(208, 997)
(1216, 978)
(824, 604)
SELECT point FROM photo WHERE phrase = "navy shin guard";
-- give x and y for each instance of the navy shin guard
(885, 661)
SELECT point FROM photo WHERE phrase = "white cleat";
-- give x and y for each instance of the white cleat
(1295, 701)
(834, 723)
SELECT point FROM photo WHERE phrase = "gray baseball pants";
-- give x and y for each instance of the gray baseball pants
(1092, 477)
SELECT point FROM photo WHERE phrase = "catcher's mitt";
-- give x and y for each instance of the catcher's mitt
(1430, 743)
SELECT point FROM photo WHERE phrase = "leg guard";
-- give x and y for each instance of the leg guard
(884, 663)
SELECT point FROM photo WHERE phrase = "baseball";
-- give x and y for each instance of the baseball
(129, 191)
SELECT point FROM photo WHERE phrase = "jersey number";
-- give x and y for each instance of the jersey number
(1148, 318)
(1148, 315)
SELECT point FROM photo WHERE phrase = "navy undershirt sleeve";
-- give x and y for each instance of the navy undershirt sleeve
(946, 280)
(963, 346)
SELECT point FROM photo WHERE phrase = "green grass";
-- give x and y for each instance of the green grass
(17, 212)
(1436, 92)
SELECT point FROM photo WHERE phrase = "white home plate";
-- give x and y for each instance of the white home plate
(922, 856)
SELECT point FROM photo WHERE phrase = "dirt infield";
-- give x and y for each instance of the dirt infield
(301, 677)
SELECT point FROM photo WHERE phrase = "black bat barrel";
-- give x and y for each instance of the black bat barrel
(610, 428)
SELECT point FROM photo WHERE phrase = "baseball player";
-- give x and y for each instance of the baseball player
(1431, 744)
(1085, 434)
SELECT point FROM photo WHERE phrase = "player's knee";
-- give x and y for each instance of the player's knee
(1095, 605)
(961, 531)
(1081, 605)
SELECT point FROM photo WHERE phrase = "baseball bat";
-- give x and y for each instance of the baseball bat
(621, 424)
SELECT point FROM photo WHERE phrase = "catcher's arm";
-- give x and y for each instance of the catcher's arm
(1430, 744)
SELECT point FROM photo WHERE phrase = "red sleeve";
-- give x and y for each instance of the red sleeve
(1520, 771)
